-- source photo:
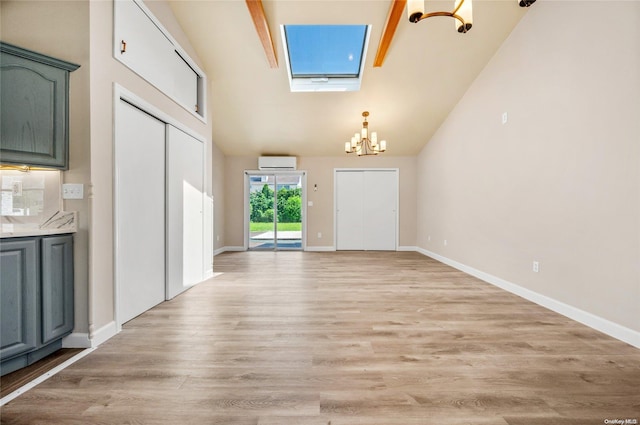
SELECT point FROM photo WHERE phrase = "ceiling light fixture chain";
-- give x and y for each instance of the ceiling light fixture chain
(364, 142)
(462, 12)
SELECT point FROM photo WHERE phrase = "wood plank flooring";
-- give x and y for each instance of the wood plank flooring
(347, 338)
(15, 380)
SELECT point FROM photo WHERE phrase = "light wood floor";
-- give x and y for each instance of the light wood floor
(343, 338)
(16, 380)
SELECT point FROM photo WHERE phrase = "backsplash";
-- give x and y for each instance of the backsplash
(30, 197)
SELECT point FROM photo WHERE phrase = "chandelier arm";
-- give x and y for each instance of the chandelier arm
(447, 14)
(455, 11)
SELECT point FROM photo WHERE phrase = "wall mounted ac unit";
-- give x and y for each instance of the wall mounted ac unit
(268, 163)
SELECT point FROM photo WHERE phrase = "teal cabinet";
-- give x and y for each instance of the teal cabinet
(57, 287)
(34, 99)
(36, 288)
(19, 272)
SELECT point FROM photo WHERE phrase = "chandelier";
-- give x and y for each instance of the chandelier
(365, 143)
(462, 12)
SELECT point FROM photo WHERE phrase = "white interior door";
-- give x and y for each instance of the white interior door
(366, 209)
(349, 210)
(139, 211)
(185, 222)
(380, 204)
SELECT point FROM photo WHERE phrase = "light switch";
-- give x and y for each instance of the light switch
(72, 191)
(310, 203)
(16, 188)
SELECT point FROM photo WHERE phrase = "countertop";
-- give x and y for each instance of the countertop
(60, 223)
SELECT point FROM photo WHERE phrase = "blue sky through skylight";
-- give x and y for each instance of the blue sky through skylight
(325, 50)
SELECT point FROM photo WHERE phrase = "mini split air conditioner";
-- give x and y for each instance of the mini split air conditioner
(268, 163)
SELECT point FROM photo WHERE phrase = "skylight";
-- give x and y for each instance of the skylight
(325, 57)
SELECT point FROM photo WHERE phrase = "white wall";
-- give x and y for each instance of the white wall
(320, 216)
(559, 183)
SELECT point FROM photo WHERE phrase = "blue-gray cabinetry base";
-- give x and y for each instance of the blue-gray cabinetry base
(36, 288)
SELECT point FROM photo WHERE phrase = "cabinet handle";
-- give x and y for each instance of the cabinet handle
(123, 46)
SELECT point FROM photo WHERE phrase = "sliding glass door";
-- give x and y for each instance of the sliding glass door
(275, 211)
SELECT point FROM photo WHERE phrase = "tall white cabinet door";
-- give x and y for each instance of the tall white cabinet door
(185, 82)
(139, 211)
(380, 197)
(142, 46)
(349, 210)
(185, 220)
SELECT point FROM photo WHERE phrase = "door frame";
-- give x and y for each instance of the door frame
(247, 185)
(122, 94)
(335, 200)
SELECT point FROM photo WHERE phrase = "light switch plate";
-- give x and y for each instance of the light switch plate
(72, 191)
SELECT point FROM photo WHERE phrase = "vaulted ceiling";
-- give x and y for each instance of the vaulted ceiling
(427, 69)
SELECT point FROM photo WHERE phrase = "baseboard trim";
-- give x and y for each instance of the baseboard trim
(407, 248)
(320, 248)
(76, 340)
(235, 248)
(228, 248)
(598, 323)
(103, 334)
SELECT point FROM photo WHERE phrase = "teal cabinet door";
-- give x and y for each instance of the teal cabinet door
(18, 296)
(57, 287)
(34, 99)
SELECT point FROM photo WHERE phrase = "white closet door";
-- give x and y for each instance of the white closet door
(139, 211)
(208, 236)
(380, 197)
(185, 230)
(366, 210)
(349, 210)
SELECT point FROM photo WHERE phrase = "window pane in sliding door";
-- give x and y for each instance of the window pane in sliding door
(289, 211)
(261, 212)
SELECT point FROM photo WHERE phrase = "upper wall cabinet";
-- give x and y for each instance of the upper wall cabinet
(143, 45)
(34, 100)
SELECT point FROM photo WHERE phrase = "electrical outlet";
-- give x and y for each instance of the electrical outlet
(72, 191)
(536, 267)
(445, 242)
(429, 238)
(505, 118)
(319, 235)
